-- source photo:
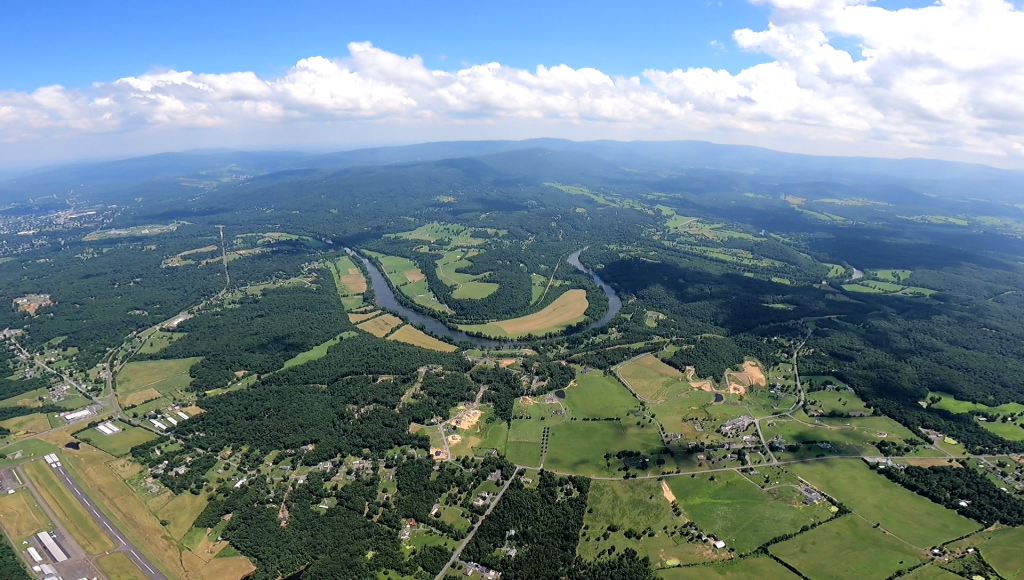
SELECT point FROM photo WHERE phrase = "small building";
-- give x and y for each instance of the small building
(719, 544)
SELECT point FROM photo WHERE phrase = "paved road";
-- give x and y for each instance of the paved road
(104, 523)
(469, 536)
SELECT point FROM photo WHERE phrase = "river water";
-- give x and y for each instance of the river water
(385, 298)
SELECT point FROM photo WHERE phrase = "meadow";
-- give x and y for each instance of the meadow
(153, 384)
(848, 548)
(740, 513)
(579, 447)
(903, 513)
(837, 402)
(1004, 551)
(597, 395)
(467, 286)
(652, 379)
(846, 436)
(950, 403)
(566, 310)
(117, 566)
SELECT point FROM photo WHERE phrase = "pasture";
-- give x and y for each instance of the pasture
(21, 516)
(579, 447)
(1010, 431)
(853, 436)
(597, 395)
(843, 402)
(160, 340)
(119, 443)
(746, 569)
(466, 286)
(318, 351)
(932, 572)
(636, 505)
(903, 513)
(740, 513)
(861, 550)
(350, 277)
(566, 310)
(1004, 551)
(72, 515)
(416, 337)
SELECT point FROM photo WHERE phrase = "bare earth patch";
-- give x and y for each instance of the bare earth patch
(667, 492)
(354, 281)
(381, 325)
(416, 337)
(467, 419)
(140, 397)
(454, 439)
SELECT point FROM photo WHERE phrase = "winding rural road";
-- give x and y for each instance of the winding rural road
(469, 536)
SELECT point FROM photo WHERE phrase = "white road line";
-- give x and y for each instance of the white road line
(106, 525)
(95, 513)
(78, 493)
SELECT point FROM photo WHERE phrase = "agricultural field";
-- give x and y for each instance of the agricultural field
(932, 572)
(319, 351)
(72, 515)
(448, 235)
(597, 395)
(416, 337)
(579, 447)
(152, 384)
(381, 325)
(21, 516)
(760, 568)
(903, 513)
(159, 340)
(740, 513)
(653, 380)
(863, 551)
(409, 280)
(949, 403)
(1004, 551)
(479, 436)
(894, 276)
(530, 418)
(117, 444)
(566, 310)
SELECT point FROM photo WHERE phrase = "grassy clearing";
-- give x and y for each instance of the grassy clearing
(566, 310)
(406, 276)
(381, 325)
(894, 276)
(835, 271)
(72, 515)
(160, 340)
(416, 337)
(951, 404)
(745, 569)
(739, 513)
(27, 425)
(117, 566)
(351, 278)
(318, 351)
(845, 436)
(181, 511)
(847, 549)
(21, 516)
(903, 513)
(597, 395)
(119, 443)
(932, 572)
(474, 290)
(1009, 430)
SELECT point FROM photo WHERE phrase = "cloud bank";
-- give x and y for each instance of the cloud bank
(943, 78)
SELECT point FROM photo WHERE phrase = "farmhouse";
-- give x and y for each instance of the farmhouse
(733, 427)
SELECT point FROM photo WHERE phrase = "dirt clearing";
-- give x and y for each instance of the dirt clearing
(667, 492)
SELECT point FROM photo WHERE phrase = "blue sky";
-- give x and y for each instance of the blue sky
(894, 78)
(75, 43)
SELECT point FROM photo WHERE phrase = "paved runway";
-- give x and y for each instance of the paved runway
(104, 523)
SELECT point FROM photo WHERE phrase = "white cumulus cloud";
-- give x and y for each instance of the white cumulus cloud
(946, 78)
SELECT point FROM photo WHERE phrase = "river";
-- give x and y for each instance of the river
(385, 298)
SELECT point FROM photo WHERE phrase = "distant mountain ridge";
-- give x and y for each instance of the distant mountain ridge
(162, 174)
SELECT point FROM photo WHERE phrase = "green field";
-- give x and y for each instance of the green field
(1010, 431)
(932, 572)
(160, 340)
(1004, 551)
(903, 513)
(466, 286)
(524, 437)
(836, 402)
(895, 276)
(745, 569)
(739, 513)
(153, 384)
(117, 566)
(318, 351)
(406, 276)
(597, 395)
(847, 549)
(846, 436)
(637, 505)
(951, 404)
(119, 443)
(579, 446)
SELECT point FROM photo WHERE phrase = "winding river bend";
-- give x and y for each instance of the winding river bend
(384, 297)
